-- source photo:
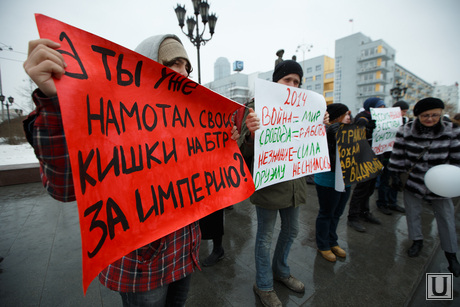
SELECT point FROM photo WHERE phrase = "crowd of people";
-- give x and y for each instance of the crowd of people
(164, 280)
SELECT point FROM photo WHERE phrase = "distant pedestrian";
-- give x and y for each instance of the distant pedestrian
(359, 203)
(388, 196)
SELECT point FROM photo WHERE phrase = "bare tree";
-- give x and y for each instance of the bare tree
(26, 91)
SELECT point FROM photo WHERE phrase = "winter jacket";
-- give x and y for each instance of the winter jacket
(444, 148)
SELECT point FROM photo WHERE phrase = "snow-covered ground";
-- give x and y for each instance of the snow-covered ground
(16, 154)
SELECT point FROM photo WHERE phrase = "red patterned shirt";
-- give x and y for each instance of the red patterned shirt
(159, 263)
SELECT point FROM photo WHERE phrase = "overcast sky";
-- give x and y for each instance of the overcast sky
(424, 33)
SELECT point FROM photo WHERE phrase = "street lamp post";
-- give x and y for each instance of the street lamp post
(9, 48)
(304, 48)
(7, 104)
(200, 8)
(398, 91)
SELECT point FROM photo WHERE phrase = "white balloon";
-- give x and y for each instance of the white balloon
(444, 180)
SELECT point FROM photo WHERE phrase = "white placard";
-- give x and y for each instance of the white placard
(291, 142)
(388, 121)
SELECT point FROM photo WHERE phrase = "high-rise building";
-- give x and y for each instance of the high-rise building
(221, 68)
(363, 68)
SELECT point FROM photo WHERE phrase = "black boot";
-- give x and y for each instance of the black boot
(454, 266)
(416, 248)
(368, 217)
(216, 255)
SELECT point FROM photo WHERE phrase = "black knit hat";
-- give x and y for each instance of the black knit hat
(426, 104)
(402, 105)
(285, 68)
(336, 110)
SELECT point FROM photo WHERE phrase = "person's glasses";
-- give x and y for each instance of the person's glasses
(434, 116)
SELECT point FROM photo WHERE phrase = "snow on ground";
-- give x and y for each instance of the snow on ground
(16, 154)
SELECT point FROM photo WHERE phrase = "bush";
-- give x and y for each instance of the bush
(13, 132)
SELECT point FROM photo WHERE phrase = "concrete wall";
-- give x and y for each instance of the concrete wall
(19, 173)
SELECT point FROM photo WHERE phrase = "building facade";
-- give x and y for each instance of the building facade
(448, 94)
(319, 76)
(363, 68)
(234, 87)
(414, 87)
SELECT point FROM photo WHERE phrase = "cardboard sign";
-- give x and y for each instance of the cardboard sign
(150, 149)
(388, 121)
(291, 142)
(359, 163)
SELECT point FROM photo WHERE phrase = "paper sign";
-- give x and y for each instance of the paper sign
(150, 149)
(291, 142)
(388, 121)
(359, 163)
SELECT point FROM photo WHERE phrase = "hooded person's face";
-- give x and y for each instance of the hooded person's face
(180, 66)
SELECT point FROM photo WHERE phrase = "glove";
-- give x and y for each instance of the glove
(332, 129)
(371, 125)
(396, 183)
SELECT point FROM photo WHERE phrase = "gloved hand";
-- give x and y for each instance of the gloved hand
(332, 129)
(371, 125)
(396, 183)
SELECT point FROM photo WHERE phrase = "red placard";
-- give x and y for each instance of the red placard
(150, 149)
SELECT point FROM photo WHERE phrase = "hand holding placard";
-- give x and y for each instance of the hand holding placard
(291, 141)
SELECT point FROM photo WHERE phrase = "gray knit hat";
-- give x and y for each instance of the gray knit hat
(162, 48)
